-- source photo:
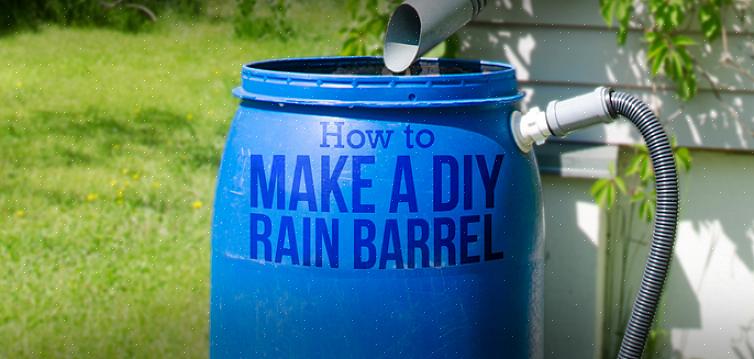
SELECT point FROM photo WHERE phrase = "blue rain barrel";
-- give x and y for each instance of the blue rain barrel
(361, 214)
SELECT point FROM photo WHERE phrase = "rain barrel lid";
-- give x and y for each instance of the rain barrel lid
(365, 82)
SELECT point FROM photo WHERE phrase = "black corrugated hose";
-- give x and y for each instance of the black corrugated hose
(666, 217)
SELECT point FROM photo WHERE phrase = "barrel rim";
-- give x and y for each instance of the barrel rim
(358, 90)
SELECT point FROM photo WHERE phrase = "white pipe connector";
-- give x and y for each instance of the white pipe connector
(416, 26)
(561, 118)
(530, 128)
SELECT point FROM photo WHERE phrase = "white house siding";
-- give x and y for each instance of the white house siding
(562, 48)
(571, 285)
(713, 279)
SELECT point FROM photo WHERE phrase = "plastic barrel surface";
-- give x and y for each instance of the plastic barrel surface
(361, 214)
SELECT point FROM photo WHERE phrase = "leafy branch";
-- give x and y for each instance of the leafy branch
(638, 181)
(638, 201)
(263, 18)
(668, 51)
(364, 34)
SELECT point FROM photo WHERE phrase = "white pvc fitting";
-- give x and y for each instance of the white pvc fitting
(561, 117)
(530, 128)
(578, 112)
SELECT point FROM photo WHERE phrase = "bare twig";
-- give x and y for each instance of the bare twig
(149, 14)
(144, 10)
(712, 82)
(110, 5)
(726, 58)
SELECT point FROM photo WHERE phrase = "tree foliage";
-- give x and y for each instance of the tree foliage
(637, 182)
(664, 24)
(120, 14)
(260, 18)
(363, 35)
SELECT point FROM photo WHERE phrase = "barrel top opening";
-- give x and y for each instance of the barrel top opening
(365, 81)
(373, 66)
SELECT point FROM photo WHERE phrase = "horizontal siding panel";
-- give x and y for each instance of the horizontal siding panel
(706, 122)
(573, 55)
(566, 13)
(577, 160)
(548, 11)
(560, 51)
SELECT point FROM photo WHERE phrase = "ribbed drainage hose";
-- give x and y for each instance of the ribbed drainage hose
(666, 217)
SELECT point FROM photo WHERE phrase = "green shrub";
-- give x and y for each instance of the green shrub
(124, 15)
(266, 18)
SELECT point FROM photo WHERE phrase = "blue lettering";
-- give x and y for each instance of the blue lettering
(441, 241)
(468, 182)
(378, 137)
(303, 167)
(437, 184)
(259, 181)
(360, 241)
(286, 232)
(338, 134)
(421, 243)
(358, 183)
(403, 171)
(330, 242)
(307, 241)
(359, 144)
(263, 238)
(391, 238)
(429, 142)
(330, 184)
(489, 255)
(489, 179)
(467, 239)
(408, 131)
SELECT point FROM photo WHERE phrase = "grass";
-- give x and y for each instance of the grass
(109, 146)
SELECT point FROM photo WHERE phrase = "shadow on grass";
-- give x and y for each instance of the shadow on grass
(50, 153)
(99, 135)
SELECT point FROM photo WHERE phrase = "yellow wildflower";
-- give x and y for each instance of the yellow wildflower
(197, 204)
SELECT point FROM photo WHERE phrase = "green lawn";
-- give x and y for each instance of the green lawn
(109, 144)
